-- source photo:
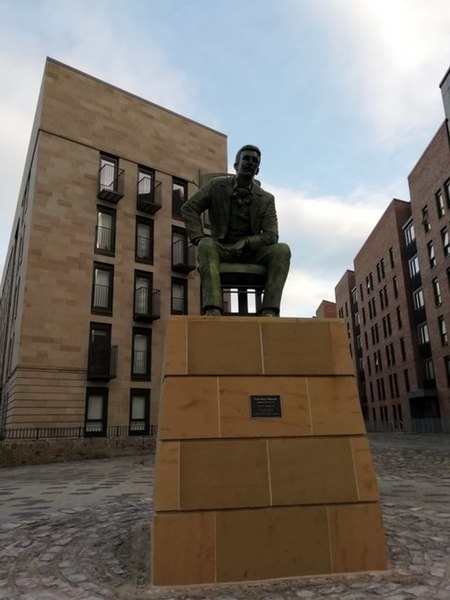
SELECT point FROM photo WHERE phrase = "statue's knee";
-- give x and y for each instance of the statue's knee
(283, 251)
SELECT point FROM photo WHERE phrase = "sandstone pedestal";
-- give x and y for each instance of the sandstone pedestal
(263, 468)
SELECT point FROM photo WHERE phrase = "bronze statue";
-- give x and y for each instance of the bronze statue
(244, 228)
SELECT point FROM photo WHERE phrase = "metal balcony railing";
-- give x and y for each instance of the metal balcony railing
(102, 363)
(149, 196)
(110, 183)
(147, 304)
(104, 239)
(183, 256)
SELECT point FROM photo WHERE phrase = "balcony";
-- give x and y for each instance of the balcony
(102, 363)
(416, 281)
(411, 248)
(420, 315)
(149, 196)
(147, 304)
(110, 183)
(425, 350)
(183, 256)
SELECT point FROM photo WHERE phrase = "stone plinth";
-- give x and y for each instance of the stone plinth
(241, 497)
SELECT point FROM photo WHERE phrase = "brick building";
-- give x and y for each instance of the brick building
(397, 301)
(98, 256)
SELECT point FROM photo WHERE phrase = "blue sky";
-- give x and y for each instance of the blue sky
(342, 96)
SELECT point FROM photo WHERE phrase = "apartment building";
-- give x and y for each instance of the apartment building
(396, 302)
(98, 257)
(429, 185)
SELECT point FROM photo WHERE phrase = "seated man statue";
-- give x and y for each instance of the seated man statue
(244, 229)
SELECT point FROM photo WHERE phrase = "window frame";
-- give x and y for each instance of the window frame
(445, 238)
(148, 260)
(443, 333)
(184, 284)
(440, 204)
(96, 309)
(135, 375)
(147, 275)
(97, 248)
(138, 392)
(104, 393)
(176, 203)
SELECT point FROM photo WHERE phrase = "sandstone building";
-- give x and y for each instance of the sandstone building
(98, 256)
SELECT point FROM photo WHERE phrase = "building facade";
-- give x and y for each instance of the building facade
(397, 301)
(98, 257)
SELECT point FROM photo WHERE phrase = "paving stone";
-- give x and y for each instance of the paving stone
(95, 545)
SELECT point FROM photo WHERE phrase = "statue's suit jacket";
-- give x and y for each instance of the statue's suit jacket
(215, 197)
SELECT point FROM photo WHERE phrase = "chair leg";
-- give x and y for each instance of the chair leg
(243, 301)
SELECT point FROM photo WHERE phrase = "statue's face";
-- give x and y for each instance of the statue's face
(248, 163)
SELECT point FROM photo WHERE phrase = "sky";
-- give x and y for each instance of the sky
(342, 97)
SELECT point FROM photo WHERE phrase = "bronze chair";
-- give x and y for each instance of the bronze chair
(243, 280)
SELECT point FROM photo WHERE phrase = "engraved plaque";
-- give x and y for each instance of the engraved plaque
(265, 406)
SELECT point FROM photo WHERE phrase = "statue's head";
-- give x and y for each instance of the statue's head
(247, 160)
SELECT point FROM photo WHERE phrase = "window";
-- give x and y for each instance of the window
(440, 206)
(431, 255)
(437, 292)
(443, 330)
(447, 368)
(102, 357)
(96, 413)
(146, 179)
(387, 328)
(139, 412)
(110, 182)
(183, 253)
(179, 194)
(399, 317)
(447, 191)
(144, 240)
(179, 297)
(410, 234)
(108, 172)
(102, 289)
(148, 191)
(403, 348)
(425, 219)
(428, 369)
(418, 298)
(391, 257)
(424, 336)
(406, 377)
(143, 288)
(141, 354)
(445, 241)
(105, 232)
(413, 265)
(395, 286)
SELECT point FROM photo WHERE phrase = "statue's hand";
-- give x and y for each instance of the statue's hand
(238, 248)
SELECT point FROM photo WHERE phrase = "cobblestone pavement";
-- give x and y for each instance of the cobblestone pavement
(81, 531)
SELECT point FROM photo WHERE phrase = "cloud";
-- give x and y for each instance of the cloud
(325, 233)
(99, 38)
(386, 53)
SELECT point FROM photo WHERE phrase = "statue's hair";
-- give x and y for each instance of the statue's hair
(247, 147)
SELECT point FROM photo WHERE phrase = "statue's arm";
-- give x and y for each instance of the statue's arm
(269, 228)
(192, 209)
